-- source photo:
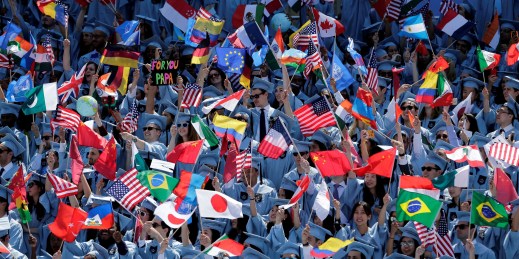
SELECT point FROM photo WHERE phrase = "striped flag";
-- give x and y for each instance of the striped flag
(424, 10)
(505, 152)
(314, 115)
(203, 13)
(129, 122)
(372, 79)
(427, 236)
(192, 96)
(243, 161)
(275, 142)
(66, 118)
(443, 244)
(393, 9)
(6, 61)
(48, 48)
(128, 190)
(307, 35)
(302, 186)
(446, 5)
(492, 33)
(313, 60)
(61, 187)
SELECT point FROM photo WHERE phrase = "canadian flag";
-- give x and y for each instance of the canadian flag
(172, 217)
(328, 26)
(302, 186)
(217, 205)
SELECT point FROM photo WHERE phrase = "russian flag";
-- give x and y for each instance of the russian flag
(454, 24)
(100, 217)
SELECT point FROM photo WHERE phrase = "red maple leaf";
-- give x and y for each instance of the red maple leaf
(325, 25)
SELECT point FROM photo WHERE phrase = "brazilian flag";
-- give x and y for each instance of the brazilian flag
(418, 207)
(488, 212)
(160, 185)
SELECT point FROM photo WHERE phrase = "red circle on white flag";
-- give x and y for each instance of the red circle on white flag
(219, 203)
(174, 220)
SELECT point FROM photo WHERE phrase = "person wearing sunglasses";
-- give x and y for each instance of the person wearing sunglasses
(216, 78)
(9, 117)
(464, 245)
(506, 120)
(434, 166)
(150, 147)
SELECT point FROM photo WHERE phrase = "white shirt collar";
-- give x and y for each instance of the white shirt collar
(8, 167)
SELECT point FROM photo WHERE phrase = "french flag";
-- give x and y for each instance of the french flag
(454, 24)
(275, 142)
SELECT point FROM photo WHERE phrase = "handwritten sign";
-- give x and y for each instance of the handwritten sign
(164, 72)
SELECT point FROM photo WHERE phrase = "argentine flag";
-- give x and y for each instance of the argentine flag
(414, 27)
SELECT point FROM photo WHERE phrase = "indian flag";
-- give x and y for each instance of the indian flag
(343, 110)
(487, 60)
(204, 131)
(444, 91)
(294, 58)
(225, 246)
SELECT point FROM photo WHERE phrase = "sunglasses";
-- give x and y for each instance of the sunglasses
(214, 75)
(409, 108)
(30, 185)
(442, 136)
(143, 213)
(256, 96)
(462, 226)
(182, 125)
(429, 168)
(45, 137)
(302, 153)
(149, 128)
(408, 243)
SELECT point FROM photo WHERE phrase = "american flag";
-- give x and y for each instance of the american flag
(243, 161)
(71, 87)
(128, 190)
(303, 38)
(48, 48)
(443, 243)
(129, 123)
(372, 79)
(192, 96)
(235, 81)
(275, 142)
(505, 152)
(393, 9)
(427, 236)
(66, 118)
(6, 61)
(61, 187)
(314, 115)
(446, 5)
(313, 60)
(424, 10)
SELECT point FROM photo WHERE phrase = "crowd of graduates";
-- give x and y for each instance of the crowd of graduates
(364, 215)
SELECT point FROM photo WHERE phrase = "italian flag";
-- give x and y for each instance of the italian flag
(204, 131)
(487, 60)
(468, 154)
(444, 91)
(225, 245)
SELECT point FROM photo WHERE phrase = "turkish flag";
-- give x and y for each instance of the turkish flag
(380, 163)
(68, 222)
(87, 137)
(106, 163)
(186, 152)
(76, 166)
(331, 163)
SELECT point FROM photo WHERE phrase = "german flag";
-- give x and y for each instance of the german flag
(119, 55)
(247, 71)
(201, 54)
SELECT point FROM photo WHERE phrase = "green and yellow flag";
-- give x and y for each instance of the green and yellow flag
(488, 212)
(417, 207)
(160, 185)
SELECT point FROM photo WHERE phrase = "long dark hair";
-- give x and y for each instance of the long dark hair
(379, 192)
(365, 206)
(36, 205)
(288, 224)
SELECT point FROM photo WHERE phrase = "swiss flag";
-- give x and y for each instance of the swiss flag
(328, 26)
(217, 205)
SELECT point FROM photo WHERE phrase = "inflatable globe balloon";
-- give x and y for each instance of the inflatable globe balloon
(86, 106)
(280, 20)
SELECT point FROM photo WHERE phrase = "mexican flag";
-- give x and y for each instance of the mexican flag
(487, 60)
(458, 178)
(488, 212)
(444, 91)
(418, 207)
(41, 98)
(225, 245)
(204, 131)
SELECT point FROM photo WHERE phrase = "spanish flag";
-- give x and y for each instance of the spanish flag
(119, 55)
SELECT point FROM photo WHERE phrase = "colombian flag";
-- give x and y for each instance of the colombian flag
(427, 90)
(100, 217)
(330, 247)
(118, 55)
(233, 129)
(203, 26)
(159, 184)
(55, 11)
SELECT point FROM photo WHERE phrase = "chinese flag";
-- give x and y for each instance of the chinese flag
(76, 165)
(68, 222)
(186, 152)
(506, 191)
(380, 163)
(106, 163)
(88, 137)
(229, 171)
(331, 163)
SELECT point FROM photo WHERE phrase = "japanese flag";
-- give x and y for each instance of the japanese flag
(173, 217)
(217, 205)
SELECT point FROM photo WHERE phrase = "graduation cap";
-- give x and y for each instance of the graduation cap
(5, 193)
(512, 82)
(10, 108)
(208, 159)
(144, 18)
(288, 184)
(213, 224)
(88, 28)
(290, 248)
(407, 96)
(125, 223)
(410, 232)
(383, 82)
(433, 158)
(188, 252)
(469, 38)
(440, 125)
(10, 142)
(257, 241)
(278, 202)
(372, 28)
(6, 131)
(364, 249)
(513, 106)
(398, 256)
(259, 83)
(104, 28)
(472, 82)
(323, 138)
(256, 162)
(388, 42)
(319, 232)
(302, 146)
(171, 109)
(379, 53)
(462, 216)
(154, 44)
(440, 144)
(184, 117)
(149, 203)
(211, 91)
(479, 140)
(508, 24)
(253, 254)
(158, 120)
(453, 55)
